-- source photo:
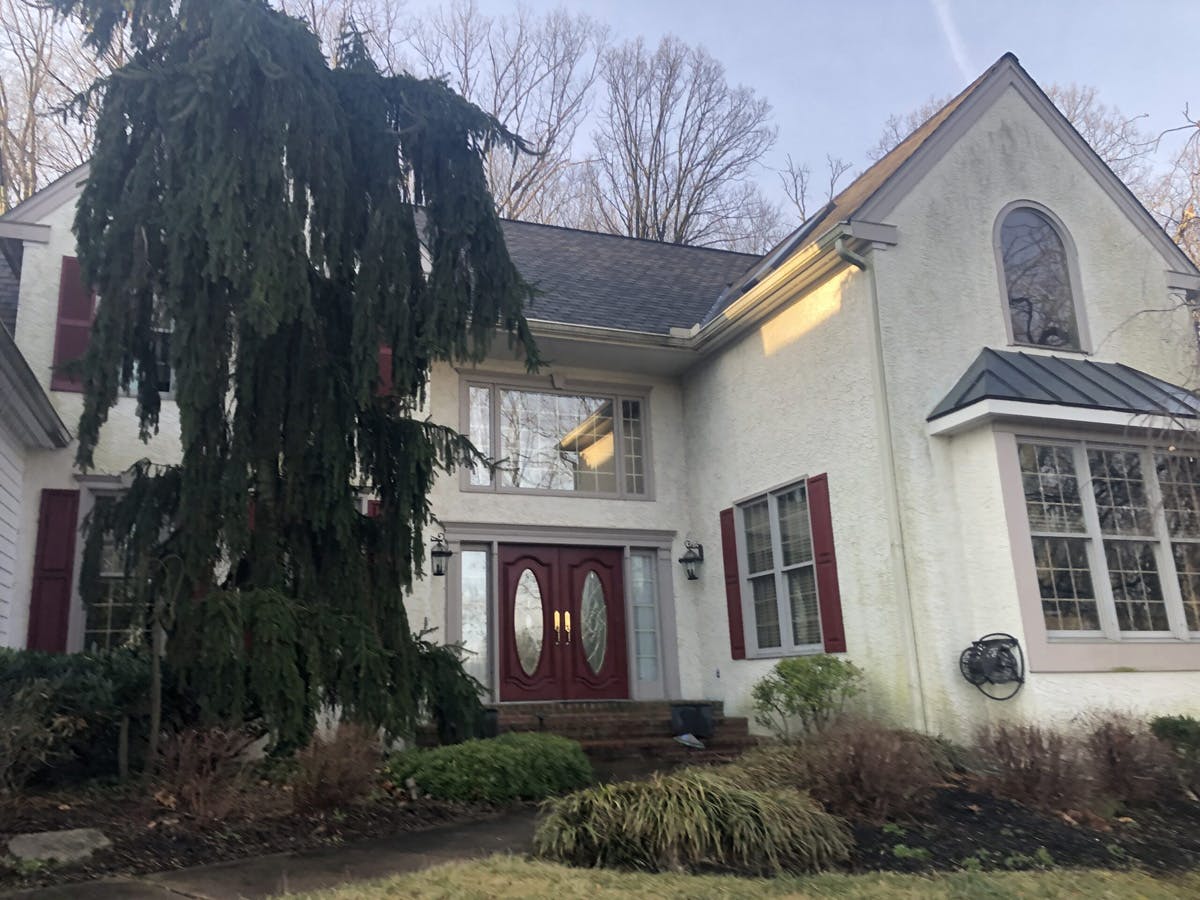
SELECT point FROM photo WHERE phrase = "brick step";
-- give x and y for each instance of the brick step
(645, 708)
(664, 750)
(607, 726)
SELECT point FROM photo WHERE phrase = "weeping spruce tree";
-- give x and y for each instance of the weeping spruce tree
(263, 206)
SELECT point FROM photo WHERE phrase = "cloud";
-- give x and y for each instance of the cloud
(954, 39)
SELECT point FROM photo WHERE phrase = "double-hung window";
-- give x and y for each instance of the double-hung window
(1116, 538)
(581, 442)
(779, 571)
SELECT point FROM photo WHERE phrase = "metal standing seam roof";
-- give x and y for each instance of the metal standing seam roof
(1035, 378)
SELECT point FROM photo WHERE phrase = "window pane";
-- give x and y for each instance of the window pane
(1179, 479)
(1120, 492)
(1136, 589)
(479, 400)
(766, 611)
(795, 535)
(475, 615)
(1065, 584)
(1051, 488)
(643, 569)
(802, 596)
(759, 557)
(1187, 564)
(557, 442)
(1039, 289)
(633, 447)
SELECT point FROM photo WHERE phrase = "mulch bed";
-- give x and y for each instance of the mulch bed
(965, 829)
(147, 837)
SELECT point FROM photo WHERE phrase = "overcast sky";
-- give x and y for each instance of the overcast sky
(834, 72)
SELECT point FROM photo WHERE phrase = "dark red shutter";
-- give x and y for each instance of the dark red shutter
(828, 593)
(733, 585)
(76, 303)
(53, 567)
(385, 372)
(373, 507)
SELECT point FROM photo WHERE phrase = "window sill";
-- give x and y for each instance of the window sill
(1157, 654)
(785, 654)
(542, 492)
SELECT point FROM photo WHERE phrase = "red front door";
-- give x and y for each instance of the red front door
(562, 624)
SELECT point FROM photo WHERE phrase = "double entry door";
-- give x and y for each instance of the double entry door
(562, 623)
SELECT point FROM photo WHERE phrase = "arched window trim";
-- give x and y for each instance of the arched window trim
(1081, 323)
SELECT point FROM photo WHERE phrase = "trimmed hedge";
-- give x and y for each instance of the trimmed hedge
(516, 766)
(695, 819)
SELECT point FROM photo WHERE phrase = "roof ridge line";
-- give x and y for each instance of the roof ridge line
(626, 237)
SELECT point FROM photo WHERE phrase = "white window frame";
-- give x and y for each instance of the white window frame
(614, 393)
(1098, 562)
(787, 646)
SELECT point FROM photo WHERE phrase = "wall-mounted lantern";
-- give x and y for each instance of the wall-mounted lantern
(439, 553)
(693, 555)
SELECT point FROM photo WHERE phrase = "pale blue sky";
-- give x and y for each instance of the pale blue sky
(834, 72)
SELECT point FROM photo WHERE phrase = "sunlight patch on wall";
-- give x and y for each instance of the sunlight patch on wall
(803, 316)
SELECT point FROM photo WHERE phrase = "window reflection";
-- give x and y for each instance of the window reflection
(1040, 305)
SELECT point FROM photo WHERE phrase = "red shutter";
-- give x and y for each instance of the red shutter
(54, 565)
(828, 594)
(385, 372)
(373, 507)
(733, 586)
(76, 304)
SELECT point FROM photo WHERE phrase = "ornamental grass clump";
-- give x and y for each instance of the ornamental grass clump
(694, 819)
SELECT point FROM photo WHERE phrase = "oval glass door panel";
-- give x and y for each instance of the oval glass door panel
(528, 622)
(594, 612)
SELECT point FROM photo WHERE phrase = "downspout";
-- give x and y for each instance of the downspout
(899, 559)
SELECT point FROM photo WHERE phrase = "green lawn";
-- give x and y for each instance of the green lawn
(513, 877)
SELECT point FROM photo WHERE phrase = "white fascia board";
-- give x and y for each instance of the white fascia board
(25, 231)
(984, 411)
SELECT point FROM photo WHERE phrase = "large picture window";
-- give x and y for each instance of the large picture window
(779, 569)
(1116, 538)
(585, 443)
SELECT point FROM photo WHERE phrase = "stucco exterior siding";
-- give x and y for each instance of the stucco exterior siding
(932, 328)
(791, 399)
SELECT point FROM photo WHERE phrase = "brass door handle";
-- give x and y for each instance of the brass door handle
(557, 626)
(567, 615)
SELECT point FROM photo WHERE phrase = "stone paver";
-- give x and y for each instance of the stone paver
(266, 876)
(70, 845)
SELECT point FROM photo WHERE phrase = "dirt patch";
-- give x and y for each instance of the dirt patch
(966, 830)
(146, 837)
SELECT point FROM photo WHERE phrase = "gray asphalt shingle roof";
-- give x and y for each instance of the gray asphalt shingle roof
(588, 278)
(1034, 378)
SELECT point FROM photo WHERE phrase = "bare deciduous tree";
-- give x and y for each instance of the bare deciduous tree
(1118, 139)
(535, 73)
(898, 127)
(43, 66)
(798, 185)
(677, 146)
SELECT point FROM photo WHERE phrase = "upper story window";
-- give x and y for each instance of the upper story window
(1037, 280)
(586, 443)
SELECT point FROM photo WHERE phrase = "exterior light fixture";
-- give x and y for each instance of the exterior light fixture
(692, 557)
(439, 553)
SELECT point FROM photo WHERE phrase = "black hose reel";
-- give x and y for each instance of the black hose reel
(995, 665)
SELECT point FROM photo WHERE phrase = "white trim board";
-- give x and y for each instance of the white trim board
(983, 411)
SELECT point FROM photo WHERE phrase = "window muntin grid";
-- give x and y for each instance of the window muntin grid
(1138, 512)
(777, 552)
(558, 441)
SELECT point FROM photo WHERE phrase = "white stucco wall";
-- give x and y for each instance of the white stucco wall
(792, 399)
(960, 566)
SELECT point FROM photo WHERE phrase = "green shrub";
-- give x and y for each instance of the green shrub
(81, 699)
(693, 819)
(530, 766)
(1182, 734)
(810, 689)
(856, 768)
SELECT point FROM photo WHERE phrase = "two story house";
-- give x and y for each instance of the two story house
(955, 402)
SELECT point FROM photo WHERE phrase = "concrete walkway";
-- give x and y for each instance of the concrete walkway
(267, 876)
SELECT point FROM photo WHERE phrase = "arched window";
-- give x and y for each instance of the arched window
(1037, 281)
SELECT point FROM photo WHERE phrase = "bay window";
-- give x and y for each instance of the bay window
(1116, 538)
